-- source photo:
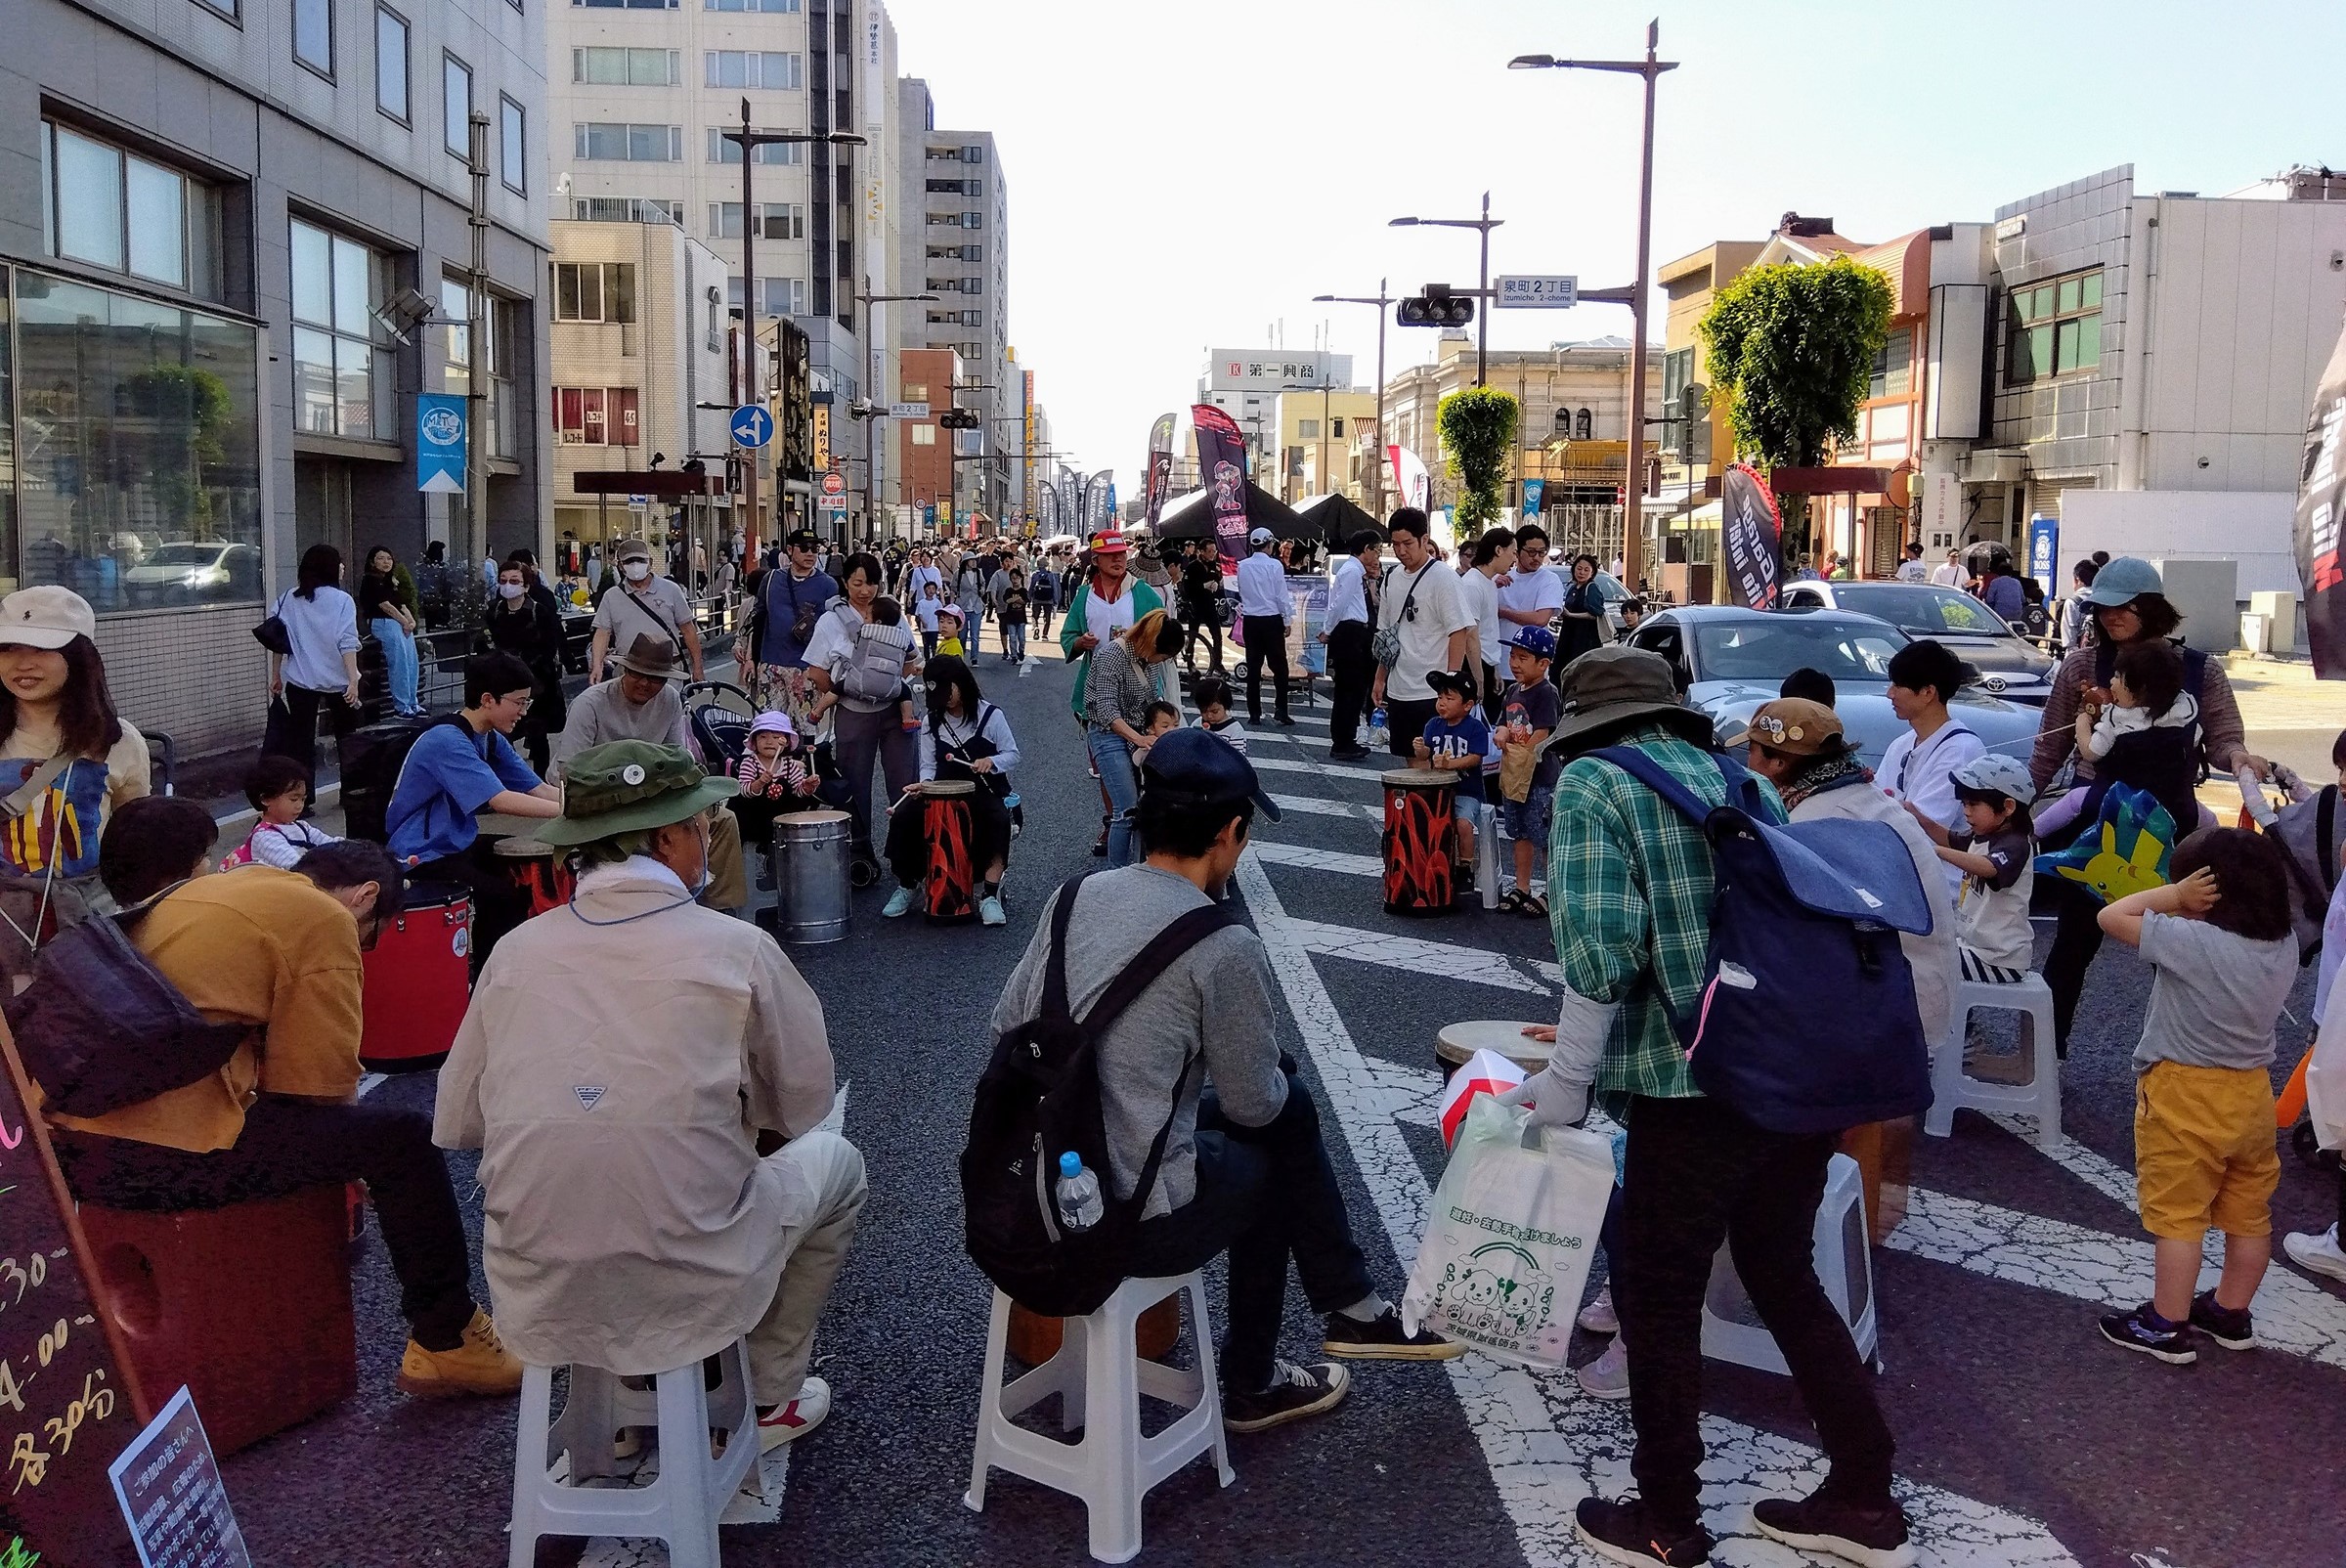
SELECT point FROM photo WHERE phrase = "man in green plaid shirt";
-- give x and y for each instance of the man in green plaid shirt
(1629, 887)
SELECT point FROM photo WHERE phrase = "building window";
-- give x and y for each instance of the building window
(2054, 328)
(597, 417)
(628, 5)
(610, 141)
(1581, 426)
(923, 435)
(775, 6)
(783, 296)
(456, 105)
(114, 209)
(1678, 370)
(627, 209)
(973, 253)
(313, 35)
(226, 8)
(594, 291)
(972, 317)
(626, 67)
(502, 320)
(1893, 367)
(770, 70)
(972, 220)
(1563, 424)
(777, 220)
(391, 63)
(342, 373)
(511, 127)
(721, 151)
(972, 155)
(149, 450)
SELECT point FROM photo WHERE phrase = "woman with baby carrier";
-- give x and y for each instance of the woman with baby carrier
(864, 729)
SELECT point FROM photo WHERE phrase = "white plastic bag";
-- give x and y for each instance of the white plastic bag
(1506, 1248)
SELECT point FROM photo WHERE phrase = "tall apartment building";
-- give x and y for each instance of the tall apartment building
(958, 249)
(209, 211)
(642, 92)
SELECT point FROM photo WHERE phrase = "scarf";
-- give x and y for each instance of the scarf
(1839, 774)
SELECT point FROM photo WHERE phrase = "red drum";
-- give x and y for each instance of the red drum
(950, 893)
(416, 983)
(1420, 840)
(537, 871)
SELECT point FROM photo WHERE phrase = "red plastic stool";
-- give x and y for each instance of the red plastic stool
(247, 1305)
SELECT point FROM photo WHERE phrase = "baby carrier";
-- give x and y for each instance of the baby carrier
(874, 668)
(2165, 760)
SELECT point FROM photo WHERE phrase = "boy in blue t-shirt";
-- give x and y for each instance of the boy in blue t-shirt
(456, 770)
(1456, 740)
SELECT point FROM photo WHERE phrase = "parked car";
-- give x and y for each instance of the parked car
(190, 571)
(1729, 660)
(2010, 666)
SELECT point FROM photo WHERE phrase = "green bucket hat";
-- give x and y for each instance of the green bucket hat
(627, 786)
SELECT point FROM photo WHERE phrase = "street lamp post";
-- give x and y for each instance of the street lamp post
(1484, 224)
(1632, 488)
(750, 141)
(871, 417)
(1377, 466)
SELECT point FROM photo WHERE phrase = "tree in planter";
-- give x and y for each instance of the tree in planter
(1478, 431)
(1792, 348)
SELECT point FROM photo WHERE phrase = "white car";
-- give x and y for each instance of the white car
(175, 574)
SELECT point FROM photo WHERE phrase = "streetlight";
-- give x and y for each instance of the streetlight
(1484, 223)
(749, 141)
(1632, 490)
(1377, 468)
(872, 407)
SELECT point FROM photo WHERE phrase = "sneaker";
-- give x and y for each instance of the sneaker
(899, 903)
(1874, 1537)
(1598, 1316)
(2318, 1251)
(2230, 1329)
(1607, 1376)
(2134, 1331)
(1624, 1532)
(481, 1365)
(1384, 1340)
(1295, 1392)
(1349, 754)
(989, 910)
(787, 1423)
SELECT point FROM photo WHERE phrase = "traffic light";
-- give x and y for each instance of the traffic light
(1693, 419)
(958, 419)
(1436, 306)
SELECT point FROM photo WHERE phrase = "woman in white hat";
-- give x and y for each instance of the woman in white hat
(68, 758)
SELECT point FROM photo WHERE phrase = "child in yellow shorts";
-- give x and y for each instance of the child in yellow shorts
(2219, 942)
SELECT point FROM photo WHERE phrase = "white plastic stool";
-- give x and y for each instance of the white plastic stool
(680, 1506)
(1098, 1376)
(1845, 1266)
(2039, 1098)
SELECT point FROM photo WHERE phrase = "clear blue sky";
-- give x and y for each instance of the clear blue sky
(1184, 177)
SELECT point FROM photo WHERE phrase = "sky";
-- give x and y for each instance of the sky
(1187, 178)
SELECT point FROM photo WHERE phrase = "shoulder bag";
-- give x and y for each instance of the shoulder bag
(272, 633)
(1385, 646)
(658, 619)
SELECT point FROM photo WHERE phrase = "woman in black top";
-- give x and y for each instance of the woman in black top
(528, 626)
(388, 605)
(1201, 602)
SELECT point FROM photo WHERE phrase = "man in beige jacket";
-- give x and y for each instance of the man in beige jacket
(625, 1061)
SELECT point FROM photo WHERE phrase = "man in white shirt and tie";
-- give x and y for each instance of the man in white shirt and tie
(1348, 634)
(1264, 609)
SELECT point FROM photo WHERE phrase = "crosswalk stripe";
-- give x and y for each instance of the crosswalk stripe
(1547, 1446)
(1280, 765)
(1313, 805)
(1312, 859)
(1418, 955)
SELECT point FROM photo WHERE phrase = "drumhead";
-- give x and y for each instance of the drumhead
(436, 895)
(1418, 778)
(1459, 1041)
(524, 849)
(949, 786)
(789, 821)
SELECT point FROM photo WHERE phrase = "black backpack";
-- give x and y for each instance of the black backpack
(1039, 1098)
(372, 758)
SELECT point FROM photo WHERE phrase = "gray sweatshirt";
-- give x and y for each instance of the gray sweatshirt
(1215, 998)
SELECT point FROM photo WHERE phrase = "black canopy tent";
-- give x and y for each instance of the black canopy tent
(1334, 519)
(1191, 516)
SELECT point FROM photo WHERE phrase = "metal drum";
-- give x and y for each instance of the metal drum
(810, 876)
(537, 871)
(1420, 840)
(416, 983)
(1456, 1043)
(949, 893)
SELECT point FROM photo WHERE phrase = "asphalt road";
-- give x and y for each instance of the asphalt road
(2023, 1439)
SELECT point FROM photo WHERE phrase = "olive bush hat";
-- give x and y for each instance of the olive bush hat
(629, 786)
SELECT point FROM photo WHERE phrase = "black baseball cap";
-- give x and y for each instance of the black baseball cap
(1441, 680)
(804, 539)
(1198, 768)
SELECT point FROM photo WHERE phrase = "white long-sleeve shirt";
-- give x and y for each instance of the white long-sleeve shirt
(1347, 597)
(1263, 587)
(321, 630)
(959, 732)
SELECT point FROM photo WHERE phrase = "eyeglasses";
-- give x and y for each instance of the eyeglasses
(521, 700)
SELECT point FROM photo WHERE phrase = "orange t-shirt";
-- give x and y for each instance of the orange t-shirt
(260, 946)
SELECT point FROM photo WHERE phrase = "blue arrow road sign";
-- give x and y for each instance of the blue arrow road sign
(752, 425)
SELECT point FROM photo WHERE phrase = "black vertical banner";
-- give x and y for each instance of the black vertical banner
(1159, 474)
(1751, 534)
(1222, 463)
(2320, 500)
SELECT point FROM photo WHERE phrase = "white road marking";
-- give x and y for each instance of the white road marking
(1418, 955)
(1547, 1445)
(1280, 765)
(1313, 805)
(1303, 855)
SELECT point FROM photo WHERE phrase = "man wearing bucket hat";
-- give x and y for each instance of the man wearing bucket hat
(2128, 603)
(623, 1062)
(1631, 886)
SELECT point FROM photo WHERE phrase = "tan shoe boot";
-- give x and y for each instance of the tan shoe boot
(481, 1365)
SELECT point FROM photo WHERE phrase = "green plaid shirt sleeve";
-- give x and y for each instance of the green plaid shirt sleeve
(1629, 891)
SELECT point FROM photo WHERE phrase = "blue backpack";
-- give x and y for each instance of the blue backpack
(1807, 1022)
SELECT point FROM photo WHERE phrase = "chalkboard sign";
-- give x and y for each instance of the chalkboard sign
(68, 1403)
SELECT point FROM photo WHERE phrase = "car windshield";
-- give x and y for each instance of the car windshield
(1923, 611)
(1773, 648)
(185, 555)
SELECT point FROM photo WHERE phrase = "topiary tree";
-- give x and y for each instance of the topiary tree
(1792, 348)
(1478, 431)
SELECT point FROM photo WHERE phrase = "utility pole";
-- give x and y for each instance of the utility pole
(873, 407)
(1484, 224)
(476, 349)
(1383, 301)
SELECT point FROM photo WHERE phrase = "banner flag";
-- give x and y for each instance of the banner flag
(2320, 501)
(440, 444)
(1752, 533)
(1535, 491)
(1222, 463)
(1410, 482)
(1161, 468)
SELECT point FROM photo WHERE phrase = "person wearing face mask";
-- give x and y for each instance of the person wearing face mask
(691, 1195)
(529, 627)
(639, 604)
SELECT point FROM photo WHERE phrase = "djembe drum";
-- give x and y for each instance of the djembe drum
(1420, 840)
(949, 891)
